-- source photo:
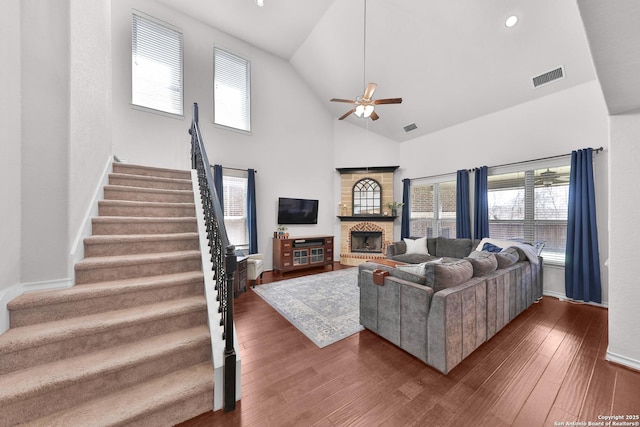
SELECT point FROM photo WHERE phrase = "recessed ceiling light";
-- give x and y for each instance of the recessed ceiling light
(260, 3)
(511, 21)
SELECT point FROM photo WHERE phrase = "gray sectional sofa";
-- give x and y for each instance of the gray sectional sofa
(446, 302)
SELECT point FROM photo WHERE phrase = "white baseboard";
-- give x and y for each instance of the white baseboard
(76, 254)
(563, 297)
(77, 246)
(7, 295)
(16, 290)
(622, 360)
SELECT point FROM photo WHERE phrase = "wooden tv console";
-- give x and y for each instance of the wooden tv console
(302, 252)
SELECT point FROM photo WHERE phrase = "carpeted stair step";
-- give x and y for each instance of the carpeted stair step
(56, 386)
(49, 306)
(102, 269)
(149, 181)
(125, 168)
(119, 192)
(107, 245)
(28, 346)
(145, 209)
(141, 225)
(163, 401)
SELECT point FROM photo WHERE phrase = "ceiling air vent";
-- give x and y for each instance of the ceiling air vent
(548, 77)
(409, 128)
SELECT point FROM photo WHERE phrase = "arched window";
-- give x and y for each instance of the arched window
(367, 197)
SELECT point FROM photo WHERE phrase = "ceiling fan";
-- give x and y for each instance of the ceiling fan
(364, 105)
(549, 177)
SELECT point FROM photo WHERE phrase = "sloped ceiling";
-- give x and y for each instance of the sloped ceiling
(450, 61)
(613, 31)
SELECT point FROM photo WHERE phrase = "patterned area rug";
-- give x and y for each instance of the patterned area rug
(325, 307)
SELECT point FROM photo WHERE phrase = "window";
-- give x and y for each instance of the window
(367, 197)
(232, 91)
(156, 65)
(433, 209)
(234, 184)
(531, 206)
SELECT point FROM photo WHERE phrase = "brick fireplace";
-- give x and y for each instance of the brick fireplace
(366, 222)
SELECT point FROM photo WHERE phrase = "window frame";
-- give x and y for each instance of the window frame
(437, 219)
(242, 174)
(247, 90)
(150, 107)
(529, 223)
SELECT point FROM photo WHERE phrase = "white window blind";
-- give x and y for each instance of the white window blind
(532, 206)
(433, 209)
(232, 91)
(156, 65)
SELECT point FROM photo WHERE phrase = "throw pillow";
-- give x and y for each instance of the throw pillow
(489, 247)
(417, 246)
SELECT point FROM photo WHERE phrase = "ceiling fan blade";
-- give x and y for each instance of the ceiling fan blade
(388, 101)
(350, 101)
(353, 110)
(368, 92)
(374, 116)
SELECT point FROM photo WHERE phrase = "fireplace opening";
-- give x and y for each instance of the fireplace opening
(366, 241)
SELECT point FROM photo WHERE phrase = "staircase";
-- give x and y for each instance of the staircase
(129, 344)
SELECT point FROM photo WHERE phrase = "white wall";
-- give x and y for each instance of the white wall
(10, 148)
(45, 140)
(90, 108)
(553, 125)
(624, 229)
(292, 134)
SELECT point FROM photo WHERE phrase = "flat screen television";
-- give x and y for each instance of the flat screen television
(297, 211)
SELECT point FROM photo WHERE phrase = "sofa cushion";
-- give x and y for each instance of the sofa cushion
(431, 245)
(451, 274)
(507, 257)
(413, 258)
(483, 264)
(400, 274)
(418, 268)
(455, 248)
(417, 246)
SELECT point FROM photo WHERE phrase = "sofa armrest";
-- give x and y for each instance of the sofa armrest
(397, 311)
(256, 256)
(457, 323)
(392, 250)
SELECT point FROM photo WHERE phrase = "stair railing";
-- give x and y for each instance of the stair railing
(222, 256)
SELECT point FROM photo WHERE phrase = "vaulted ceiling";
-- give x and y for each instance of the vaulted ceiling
(450, 61)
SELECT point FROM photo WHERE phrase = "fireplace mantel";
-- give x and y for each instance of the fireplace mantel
(360, 218)
(368, 169)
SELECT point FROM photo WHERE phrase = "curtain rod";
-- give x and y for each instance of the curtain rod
(595, 150)
(238, 169)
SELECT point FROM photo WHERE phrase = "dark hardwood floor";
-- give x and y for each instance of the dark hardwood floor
(544, 368)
